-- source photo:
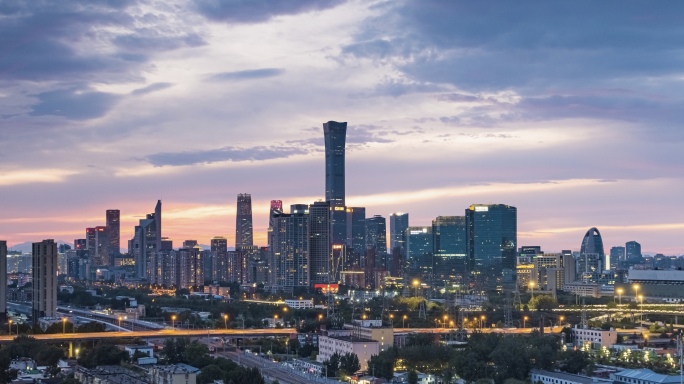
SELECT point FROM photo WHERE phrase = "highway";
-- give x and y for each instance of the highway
(236, 333)
(160, 334)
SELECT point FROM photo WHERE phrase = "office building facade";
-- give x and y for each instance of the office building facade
(289, 248)
(113, 224)
(419, 253)
(492, 242)
(244, 230)
(322, 268)
(450, 249)
(335, 137)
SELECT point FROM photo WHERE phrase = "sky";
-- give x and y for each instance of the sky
(569, 111)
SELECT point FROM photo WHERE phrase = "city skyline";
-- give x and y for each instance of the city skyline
(230, 99)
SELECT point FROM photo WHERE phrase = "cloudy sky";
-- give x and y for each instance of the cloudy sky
(571, 111)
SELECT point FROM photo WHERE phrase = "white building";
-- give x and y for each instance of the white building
(300, 304)
(597, 337)
(363, 348)
(374, 330)
(643, 376)
(547, 377)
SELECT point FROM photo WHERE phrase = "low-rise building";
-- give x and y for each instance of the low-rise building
(596, 337)
(374, 330)
(109, 374)
(583, 289)
(363, 348)
(173, 374)
(643, 376)
(300, 304)
(548, 377)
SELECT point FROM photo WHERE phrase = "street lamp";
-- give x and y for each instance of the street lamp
(445, 320)
(225, 320)
(173, 322)
(76, 350)
(482, 319)
(416, 284)
(119, 323)
(636, 287)
(561, 321)
(524, 321)
(619, 292)
(64, 325)
(391, 316)
(402, 321)
(9, 327)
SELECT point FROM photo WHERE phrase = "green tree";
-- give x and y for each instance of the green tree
(412, 377)
(332, 365)
(349, 363)
(90, 327)
(104, 353)
(209, 374)
(49, 356)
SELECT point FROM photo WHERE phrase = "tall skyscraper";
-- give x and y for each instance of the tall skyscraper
(617, 258)
(376, 240)
(219, 258)
(3, 279)
(450, 249)
(398, 224)
(335, 136)
(492, 242)
(147, 239)
(113, 224)
(243, 222)
(419, 253)
(98, 246)
(356, 238)
(633, 253)
(322, 269)
(44, 279)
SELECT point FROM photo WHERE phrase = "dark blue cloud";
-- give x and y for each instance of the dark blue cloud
(74, 104)
(233, 154)
(255, 11)
(246, 75)
(151, 88)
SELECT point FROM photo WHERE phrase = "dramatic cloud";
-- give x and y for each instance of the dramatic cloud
(254, 11)
(571, 112)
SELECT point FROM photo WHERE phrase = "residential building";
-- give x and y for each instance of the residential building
(374, 330)
(356, 238)
(44, 279)
(322, 270)
(173, 374)
(376, 243)
(596, 337)
(363, 348)
(551, 271)
(289, 247)
(147, 239)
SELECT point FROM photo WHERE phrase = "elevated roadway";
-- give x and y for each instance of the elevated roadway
(235, 333)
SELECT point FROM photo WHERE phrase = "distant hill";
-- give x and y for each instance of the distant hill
(27, 247)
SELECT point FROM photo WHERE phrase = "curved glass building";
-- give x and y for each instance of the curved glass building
(592, 256)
